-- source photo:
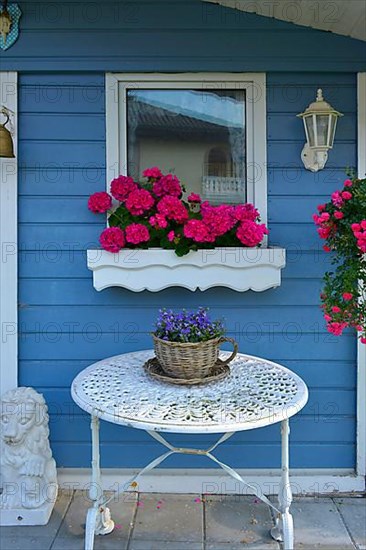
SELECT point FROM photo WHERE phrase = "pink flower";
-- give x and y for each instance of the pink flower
(324, 232)
(346, 195)
(100, 202)
(137, 233)
(356, 227)
(338, 215)
(218, 219)
(139, 201)
(112, 239)
(326, 248)
(363, 224)
(347, 296)
(168, 185)
(158, 221)
(194, 197)
(173, 209)
(363, 339)
(121, 187)
(171, 236)
(321, 207)
(336, 309)
(250, 233)
(337, 199)
(336, 328)
(198, 231)
(327, 317)
(348, 183)
(243, 212)
(153, 172)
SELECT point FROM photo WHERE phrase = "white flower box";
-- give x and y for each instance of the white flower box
(155, 269)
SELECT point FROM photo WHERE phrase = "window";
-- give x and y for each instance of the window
(208, 129)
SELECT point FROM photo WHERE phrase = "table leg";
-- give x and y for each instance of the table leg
(98, 520)
(284, 528)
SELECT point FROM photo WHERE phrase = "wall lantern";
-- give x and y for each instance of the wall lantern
(6, 142)
(320, 121)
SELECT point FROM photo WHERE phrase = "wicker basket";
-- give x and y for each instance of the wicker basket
(186, 360)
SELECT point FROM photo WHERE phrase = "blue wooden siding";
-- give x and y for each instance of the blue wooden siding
(65, 324)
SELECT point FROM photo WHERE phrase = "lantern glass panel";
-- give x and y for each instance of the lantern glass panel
(322, 127)
(309, 126)
(333, 124)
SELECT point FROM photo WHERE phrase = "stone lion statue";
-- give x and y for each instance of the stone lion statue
(28, 471)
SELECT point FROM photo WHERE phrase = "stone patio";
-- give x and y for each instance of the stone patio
(195, 522)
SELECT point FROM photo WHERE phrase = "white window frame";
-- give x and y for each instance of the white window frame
(254, 84)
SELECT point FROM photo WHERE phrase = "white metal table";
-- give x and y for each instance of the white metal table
(256, 393)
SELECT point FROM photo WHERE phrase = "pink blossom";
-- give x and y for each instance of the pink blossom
(112, 239)
(326, 248)
(327, 317)
(173, 209)
(100, 202)
(158, 221)
(347, 296)
(356, 227)
(139, 201)
(168, 185)
(153, 172)
(121, 187)
(346, 195)
(198, 231)
(363, 224)
(321, 207)
(336, 328)
(363, 339)
(338, 215)
(324, 232)
(137, 233)
(218, 219)
(243, 212)
(337, 199)
(348, 183)
(336, 309)
(171, 236)
(250, 233)
(194, 197)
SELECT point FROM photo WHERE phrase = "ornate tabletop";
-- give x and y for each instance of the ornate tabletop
(256, 393)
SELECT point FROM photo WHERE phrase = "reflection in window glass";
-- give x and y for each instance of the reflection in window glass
(197, 135)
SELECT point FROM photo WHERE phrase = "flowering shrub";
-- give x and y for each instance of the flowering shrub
(342, 224)
(187, 326)
(154, 214)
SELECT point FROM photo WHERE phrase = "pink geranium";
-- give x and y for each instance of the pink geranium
(336, 328)
(112, 239)
(153, 172)
(338, 215)
(194, 197)
(337, 199)
(250, 233)
(347, 296)
(243, 212)
(173, 209)
(121, 187)
(136, 233)
(158, 221)
(346, 195)
(198, 231)
(348, 183)
(168, 185)
(171, 236)
(139, 202)
(100, 202)
(218, 219)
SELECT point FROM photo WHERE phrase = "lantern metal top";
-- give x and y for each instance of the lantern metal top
(319, 107)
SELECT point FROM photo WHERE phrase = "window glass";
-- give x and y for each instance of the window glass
(199, 135)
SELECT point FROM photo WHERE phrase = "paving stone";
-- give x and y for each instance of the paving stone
(238, 520)
(73, 528)
(168, 518)
(26, 543)
(353, 511)
(49, 530)
(165, 545)
(318, 524)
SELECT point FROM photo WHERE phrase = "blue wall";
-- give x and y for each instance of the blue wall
(66, 324)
